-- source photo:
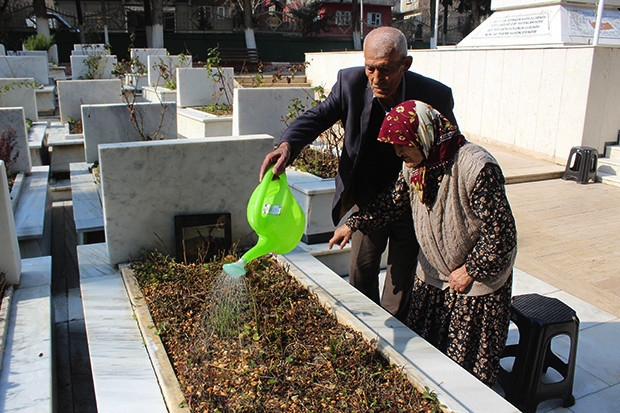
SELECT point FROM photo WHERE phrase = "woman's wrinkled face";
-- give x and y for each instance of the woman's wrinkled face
(411, 156)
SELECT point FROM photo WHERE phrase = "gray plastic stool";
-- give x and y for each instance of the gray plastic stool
(581, 164)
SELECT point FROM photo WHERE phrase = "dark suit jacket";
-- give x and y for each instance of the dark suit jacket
(365, 168)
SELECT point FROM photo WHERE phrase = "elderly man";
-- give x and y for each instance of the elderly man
(360, 99)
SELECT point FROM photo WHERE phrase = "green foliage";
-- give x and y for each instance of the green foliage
(95, 63)
(216, 75)
(322, 157)
(431, 396)
(39, 42)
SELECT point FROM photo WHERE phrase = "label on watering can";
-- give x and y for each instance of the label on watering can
(269, 209)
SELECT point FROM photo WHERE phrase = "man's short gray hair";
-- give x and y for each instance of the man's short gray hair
(389, 40)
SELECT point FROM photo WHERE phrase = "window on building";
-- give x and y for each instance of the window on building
(374, 19)
(342, 18)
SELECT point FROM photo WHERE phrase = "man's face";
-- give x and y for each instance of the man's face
(384, 73)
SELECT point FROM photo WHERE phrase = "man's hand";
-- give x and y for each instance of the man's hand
(342, 235)
(460, 280)
(279, 157)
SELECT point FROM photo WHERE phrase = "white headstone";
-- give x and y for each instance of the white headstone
(74, 93)
(263, 109)
(13, 127)
(141, 56)
(92, 66)
(145, 184)
(114, 123)
(2, 50)
(164, 68)
(35, 67)
(10, 259)
(19, 92)
(88, 48)
(198, 87)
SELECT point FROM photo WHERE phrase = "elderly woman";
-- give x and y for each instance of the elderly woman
(454, 189)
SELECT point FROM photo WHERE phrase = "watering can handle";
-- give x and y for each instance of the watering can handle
(265, 182)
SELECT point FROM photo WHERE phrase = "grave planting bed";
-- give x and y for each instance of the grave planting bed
(282, 352)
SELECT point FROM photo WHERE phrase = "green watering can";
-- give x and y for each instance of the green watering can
(277, 219)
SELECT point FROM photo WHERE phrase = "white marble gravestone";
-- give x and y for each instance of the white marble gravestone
(113, 123)
(161, 67)
(2, 50)
(36, 67)
(102, 66)
(88, 48)
(19, 92)
(145, 184)
(196, 87)
(141, 55)
(545, 22)
(262, 110)
(10, 259)
(72, 94)
(13, 118)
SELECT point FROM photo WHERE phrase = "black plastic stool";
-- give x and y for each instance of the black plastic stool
(581, 164)
(539, 319)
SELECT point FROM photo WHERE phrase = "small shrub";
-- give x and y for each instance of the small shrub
(39, 42)
(320, 158)
(8, 141)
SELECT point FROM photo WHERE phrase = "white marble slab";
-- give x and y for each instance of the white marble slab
(197, 87)
(36, 67)
(263, 110)
(92, 66)
(145, 184)
(74, 93)
(46, 99)
(19, 92)
(2, 50)
(123, 376)
(10, 259)
(37, 143)
(162, 67)
(114, 123)
(88, 48)
(141, 55)
(193, 123)
(87, 210)
(13, 118)
(33, 204)
(26, 378)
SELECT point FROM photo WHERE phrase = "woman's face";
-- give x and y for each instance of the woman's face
(411, 156)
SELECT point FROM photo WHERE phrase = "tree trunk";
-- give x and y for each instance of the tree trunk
(355, 21)
(80, 17)
(250, 40)
(40, 11)
(157, 19)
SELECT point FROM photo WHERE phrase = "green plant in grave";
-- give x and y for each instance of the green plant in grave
(96, 62)
(39, 42)
(320, 158)
(216, 75)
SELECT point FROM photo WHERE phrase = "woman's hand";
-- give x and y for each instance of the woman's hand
(460, 280)
(342, 235)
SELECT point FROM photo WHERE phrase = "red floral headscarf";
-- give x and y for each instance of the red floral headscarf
(417, 124)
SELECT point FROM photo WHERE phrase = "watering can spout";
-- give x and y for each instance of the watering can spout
(277, 219)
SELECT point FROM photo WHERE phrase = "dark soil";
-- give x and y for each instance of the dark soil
(277, 350)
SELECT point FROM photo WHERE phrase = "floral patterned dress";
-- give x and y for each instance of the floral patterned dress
(472, 330)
